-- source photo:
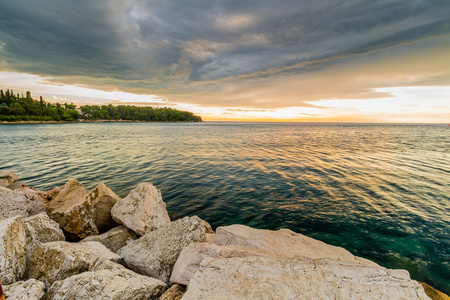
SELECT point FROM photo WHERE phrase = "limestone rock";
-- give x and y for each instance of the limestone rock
(20, 202)
(102, 199)
(12, 250)
(175, 292)
(7, 178)
(143, 210)
(41, 229)
(31, 289)
(284, 243)
(70, 210)
(155, 253)
(114, 239)
(58, 260)
(191, 256)
(54, 192)
(106, 284)
(298, 278)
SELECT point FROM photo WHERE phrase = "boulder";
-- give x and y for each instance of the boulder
(191, 256)
(58, 260)
(155, 253)
(102, 199)
(20, 202)
(175, 292)
(106, 284)
(70, 210)
(82, 213)
(143, 210)
(298, 278)
(54, 192)
(284, 243)
(114, 239)
(12, 250)
(7, 178)
(31, 289)
(41, 229)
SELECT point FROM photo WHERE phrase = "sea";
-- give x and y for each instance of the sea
(382, 191)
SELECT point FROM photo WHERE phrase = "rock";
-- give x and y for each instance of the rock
(20, 202)
(191, 256)
(175, 292)
(143, 210)
(114, 239)
(31, 289)
(106, 284)
(102, 199)
(298, 278)
(58, 260)
(433, 293)
(7, 178)
(70, 210)
(82, 213)
(54, 192)
(284, 243)
(155, 253)
(105, 264)
(17, 185)
(41, 229)
(12, 250)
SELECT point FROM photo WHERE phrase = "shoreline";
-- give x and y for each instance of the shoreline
(136, 236)
(93, 121)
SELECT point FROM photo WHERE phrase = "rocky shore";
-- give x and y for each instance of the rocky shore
(73, 243)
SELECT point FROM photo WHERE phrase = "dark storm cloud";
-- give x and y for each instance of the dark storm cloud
(164, 45)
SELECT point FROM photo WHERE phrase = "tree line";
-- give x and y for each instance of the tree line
(15, 107)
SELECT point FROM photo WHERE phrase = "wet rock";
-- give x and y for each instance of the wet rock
(114, 239)
(20, 202)
(58, 260)
(155, 253)
(31, 289)
(191, 257)
(41, 229)
(12, 250)
(284, 243)
(7, 178)
(143, 210)
(106, 284)
(175, 292)
(298, 278)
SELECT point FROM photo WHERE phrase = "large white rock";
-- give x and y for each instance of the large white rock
(107, 284)
(7, 178)
(41, 229)
(284, 243)
(143, 210)
(191, 256)
(12, 250)
(114, 239)
(155, 253)
(297, 278)
(58, 260)
(20, 202)
(31, 289)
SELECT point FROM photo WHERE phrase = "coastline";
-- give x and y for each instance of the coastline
(158, 254)
(91, 121)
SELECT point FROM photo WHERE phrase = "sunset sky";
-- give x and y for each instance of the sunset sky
(298, 60)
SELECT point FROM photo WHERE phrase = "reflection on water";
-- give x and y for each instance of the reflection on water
(381, 191)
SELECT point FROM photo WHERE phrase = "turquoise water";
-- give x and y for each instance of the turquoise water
(380, 191)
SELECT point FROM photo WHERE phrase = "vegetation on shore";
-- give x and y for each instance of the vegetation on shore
(17, 108)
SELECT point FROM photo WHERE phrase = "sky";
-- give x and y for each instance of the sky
(284, 60)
